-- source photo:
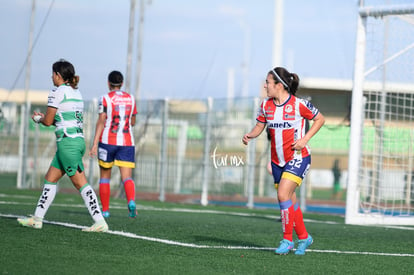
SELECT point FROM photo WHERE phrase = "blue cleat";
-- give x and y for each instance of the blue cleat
(132, 208)
(303, 244)
(105, 214)
(285, 247)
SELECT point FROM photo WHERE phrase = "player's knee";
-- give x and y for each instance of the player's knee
(282, 196)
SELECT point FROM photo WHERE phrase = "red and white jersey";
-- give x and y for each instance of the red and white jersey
(286, 123)
(119, 107)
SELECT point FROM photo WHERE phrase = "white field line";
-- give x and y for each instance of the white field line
(182, 210)
(169, 242)
(186, 210)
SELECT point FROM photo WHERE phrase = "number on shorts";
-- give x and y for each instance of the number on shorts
(296, 163)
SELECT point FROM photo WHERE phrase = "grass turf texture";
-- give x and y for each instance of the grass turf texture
(58, 249)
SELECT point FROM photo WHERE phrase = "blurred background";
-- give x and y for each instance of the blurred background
(187, 48)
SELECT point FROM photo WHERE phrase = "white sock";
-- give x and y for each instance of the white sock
(45, 200)
(91, 202)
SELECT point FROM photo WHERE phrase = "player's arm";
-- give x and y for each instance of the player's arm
(100, 125)
(134, 114)
(53, 102)
(255, 132)
(318, 122)
(133, 120)
(47, 119)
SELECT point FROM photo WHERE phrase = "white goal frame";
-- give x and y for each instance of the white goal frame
(354, 213)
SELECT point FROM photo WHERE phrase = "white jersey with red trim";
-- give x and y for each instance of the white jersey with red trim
(286, 123)
(119, 107)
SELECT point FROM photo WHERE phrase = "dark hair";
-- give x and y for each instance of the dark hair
(66, 70)
(115, 78)
(289, 80)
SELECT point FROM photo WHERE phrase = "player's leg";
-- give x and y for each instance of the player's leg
(285, 193)
(106, 158)
(45, 199)
(88, 194)
(125, 159)
(129, 187)
(296, 171)
(70, 155)
(299, 225)
(286, 244)
(105, 189)
(305, 239)
(91, 202)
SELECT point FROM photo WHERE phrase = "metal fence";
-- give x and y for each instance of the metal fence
(182, 147)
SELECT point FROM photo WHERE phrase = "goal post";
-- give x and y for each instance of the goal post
(381, 155)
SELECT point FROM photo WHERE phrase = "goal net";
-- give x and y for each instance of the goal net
(381, 158)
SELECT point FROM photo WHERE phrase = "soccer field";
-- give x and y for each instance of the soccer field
(169, 238)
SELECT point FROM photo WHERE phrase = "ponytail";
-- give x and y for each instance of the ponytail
(67, 72)
(290, 81)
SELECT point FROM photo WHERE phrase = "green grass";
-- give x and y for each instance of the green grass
(58, 249)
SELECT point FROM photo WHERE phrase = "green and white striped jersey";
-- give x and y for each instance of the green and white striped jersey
(69, 115)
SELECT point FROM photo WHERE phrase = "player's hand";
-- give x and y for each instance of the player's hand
(246, 139)
(94, 151)
(37, 116)
(298, 145)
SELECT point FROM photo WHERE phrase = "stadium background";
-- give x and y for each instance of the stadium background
(201, 147)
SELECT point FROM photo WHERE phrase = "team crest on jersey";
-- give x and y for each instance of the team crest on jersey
(287, 114)
(288, 108)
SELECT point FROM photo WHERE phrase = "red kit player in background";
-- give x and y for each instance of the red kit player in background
(285, 116)
(114, 141)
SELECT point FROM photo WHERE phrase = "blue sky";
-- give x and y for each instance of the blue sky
(188, 46)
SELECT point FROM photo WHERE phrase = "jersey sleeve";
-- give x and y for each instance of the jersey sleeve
(260, 114)
(307, 110)
(55, 97)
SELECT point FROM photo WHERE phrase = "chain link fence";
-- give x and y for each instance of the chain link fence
(183, 147)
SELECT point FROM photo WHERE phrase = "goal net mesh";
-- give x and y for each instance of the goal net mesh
(386, 175)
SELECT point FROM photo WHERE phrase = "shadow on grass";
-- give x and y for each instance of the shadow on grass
(227, 242)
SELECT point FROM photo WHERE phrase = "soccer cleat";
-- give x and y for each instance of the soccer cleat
(132, 208)
(303, 244)
(285, 247)
(32, 221)
(105, 214)
(100, 226)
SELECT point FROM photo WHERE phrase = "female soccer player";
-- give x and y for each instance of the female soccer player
(65, 111)
(114, 141)
(285, 116)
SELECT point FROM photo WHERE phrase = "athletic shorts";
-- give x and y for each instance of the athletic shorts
(110, 155)
(69, 155)
(295, 170)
